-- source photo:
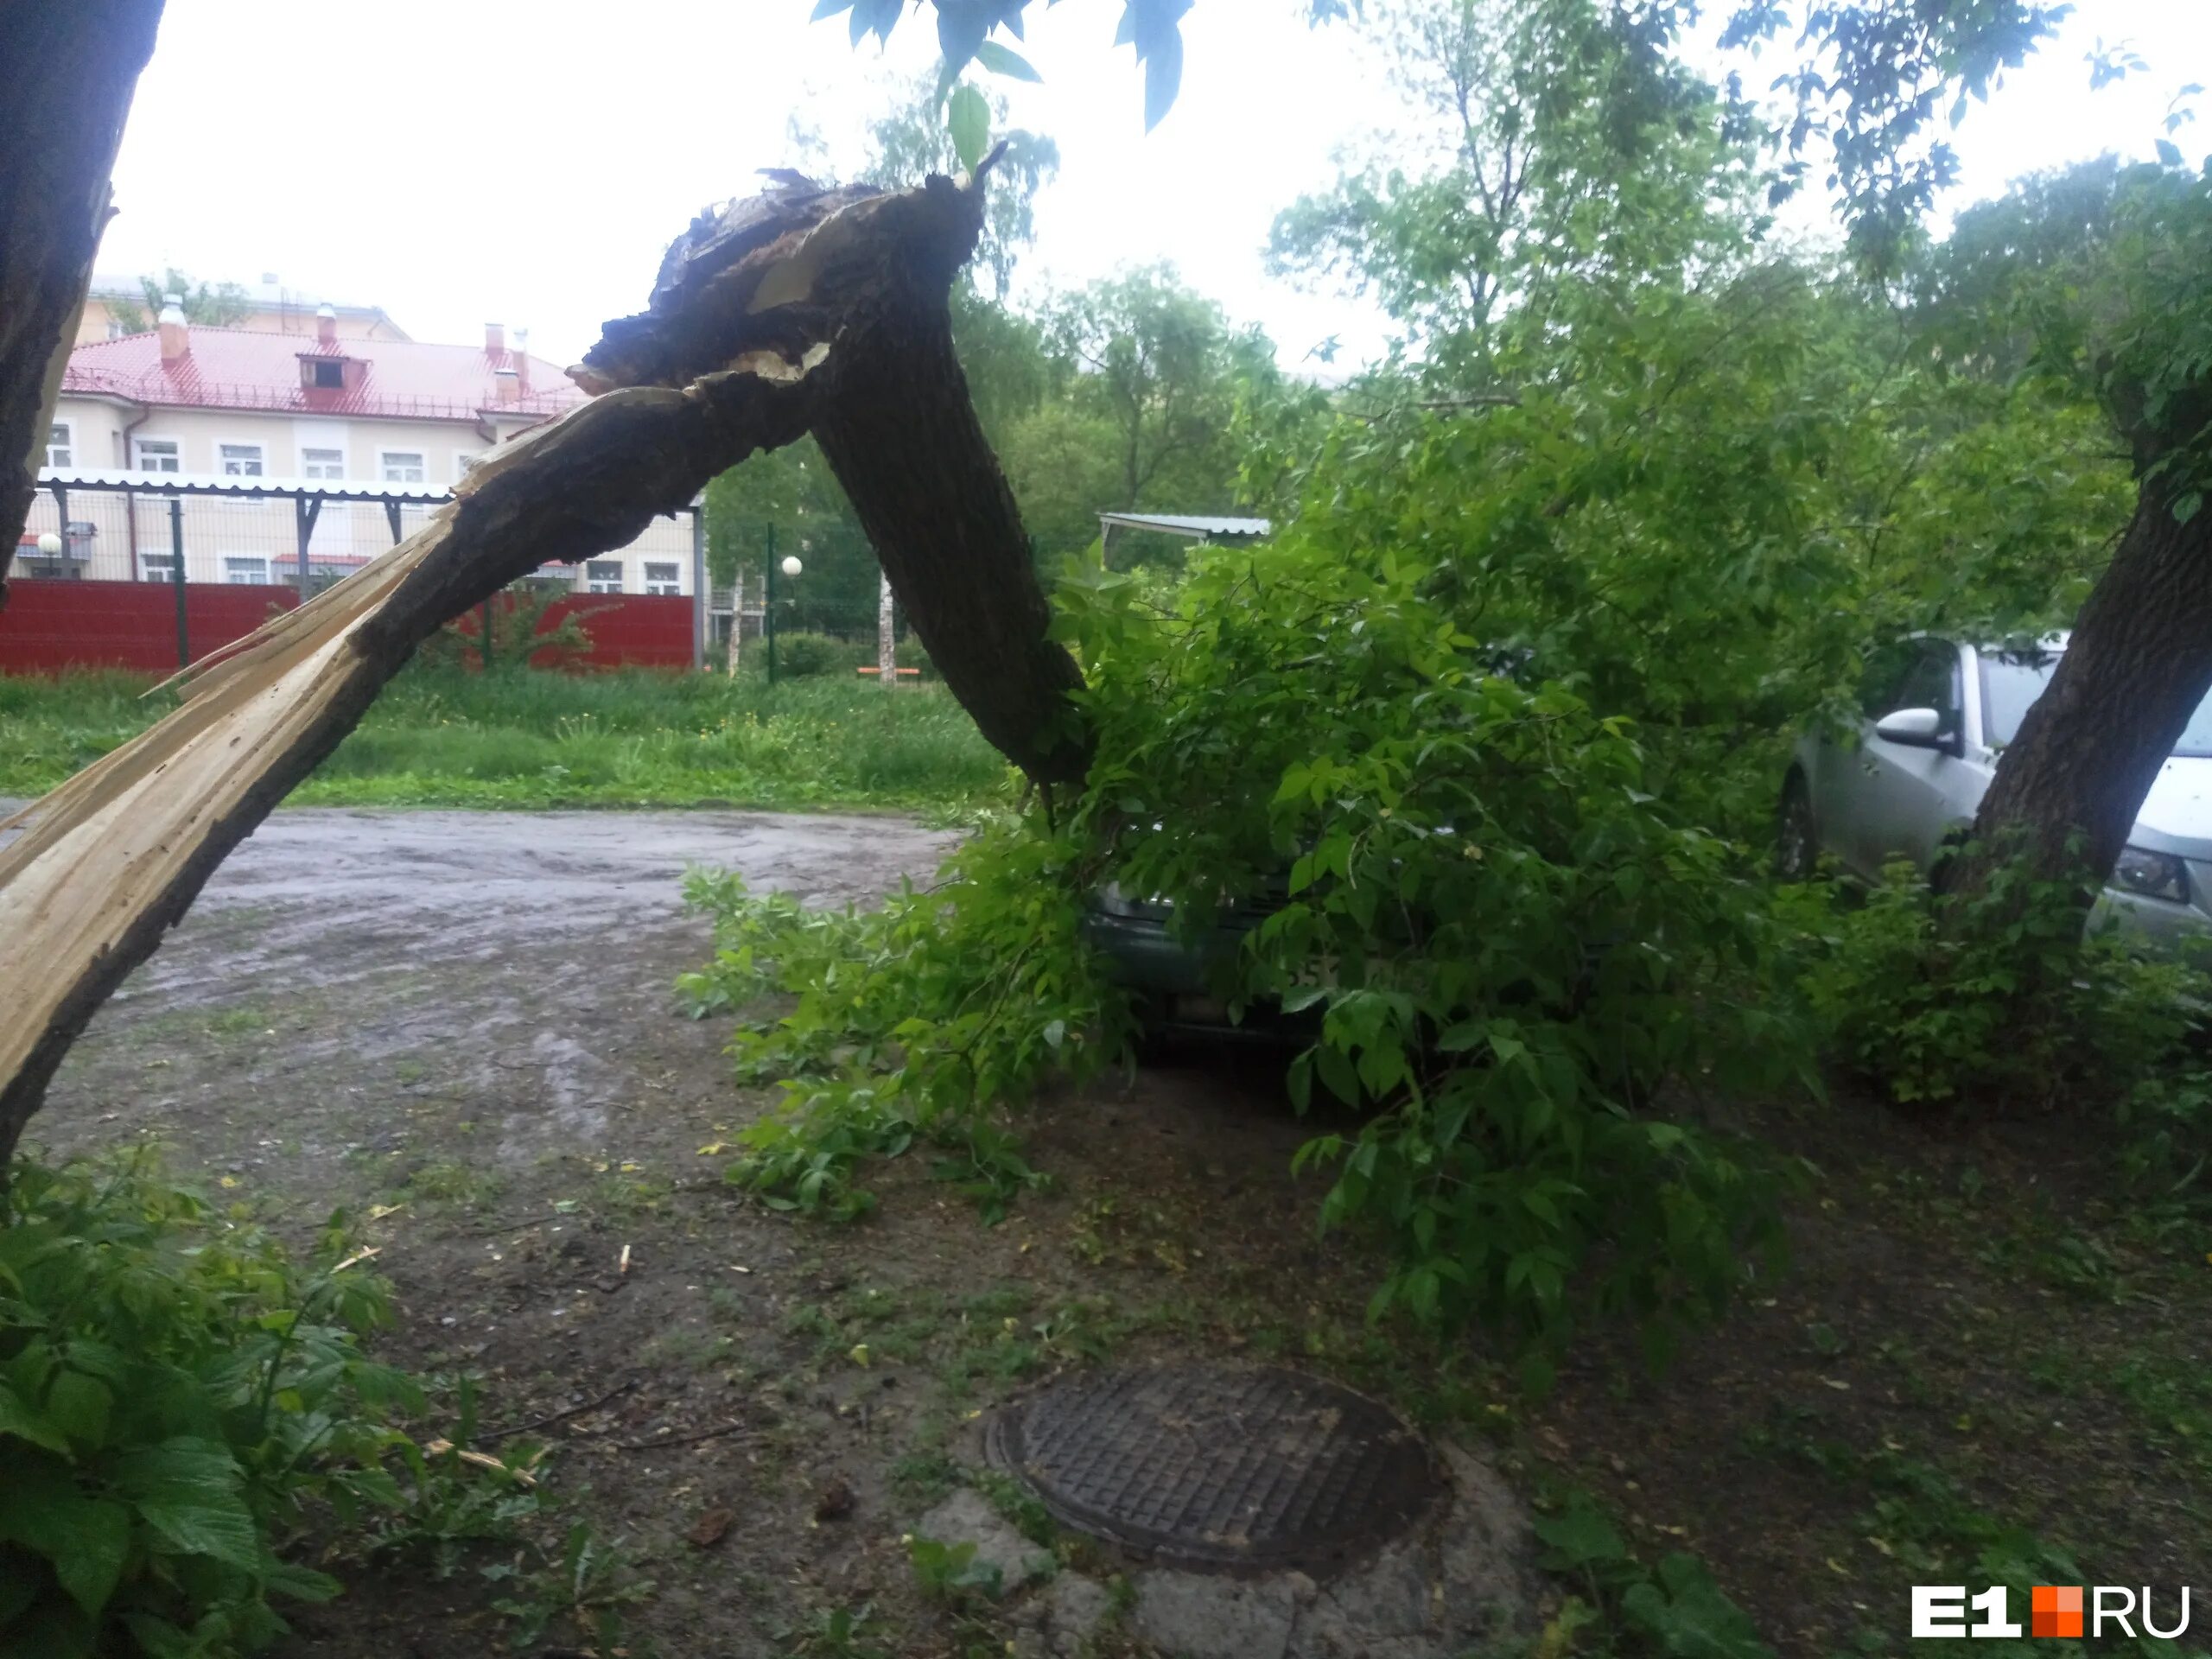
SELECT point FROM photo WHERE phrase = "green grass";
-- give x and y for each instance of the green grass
(442, 737)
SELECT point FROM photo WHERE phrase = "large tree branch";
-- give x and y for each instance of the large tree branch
(799, 311)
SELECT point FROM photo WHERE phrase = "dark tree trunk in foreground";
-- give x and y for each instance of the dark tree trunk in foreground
(899, 431)
(893, 416)
(2140, 663)
(71, 66)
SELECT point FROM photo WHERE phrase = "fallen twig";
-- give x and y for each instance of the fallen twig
(680, 1440)
(490, 1435)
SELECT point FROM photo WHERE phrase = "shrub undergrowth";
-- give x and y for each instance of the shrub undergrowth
(184, 1404)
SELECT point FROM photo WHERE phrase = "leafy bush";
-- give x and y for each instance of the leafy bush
(176, 1397)
(803, 656)
(520, 638)
(917, 1021)
(1996, 996)
(1674, 1609)
(1509, 945)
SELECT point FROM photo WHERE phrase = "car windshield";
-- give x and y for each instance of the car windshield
(2011, 680)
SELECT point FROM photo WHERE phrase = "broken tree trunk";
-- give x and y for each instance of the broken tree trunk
(71, 72)
(894, 419)
(755, 312)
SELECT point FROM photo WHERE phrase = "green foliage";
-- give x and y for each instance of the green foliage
(1994, 993)
(177, 1399)
(803, 656)
(584, 1588)
(949, 1573)
(1555, 144)
(916, 1022)
(1510, 943)
(1160, 366)
(216, 305)
(521, 635)
(1674, 1609)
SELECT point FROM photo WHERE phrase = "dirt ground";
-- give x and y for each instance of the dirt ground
(459, 1027)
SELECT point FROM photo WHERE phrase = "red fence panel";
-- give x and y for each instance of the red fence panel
(51, 626)
(629, 630)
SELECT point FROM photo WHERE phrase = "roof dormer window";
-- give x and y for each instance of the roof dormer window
(326, 373)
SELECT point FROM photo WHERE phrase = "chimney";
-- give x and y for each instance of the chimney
(495, 337)
(325, 325)
(521, 360)
(508, 385)
(176, 335)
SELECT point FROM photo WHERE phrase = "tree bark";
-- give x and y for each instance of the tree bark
(899, 430)
(2139, 664)
(894, 418)
(71, 72)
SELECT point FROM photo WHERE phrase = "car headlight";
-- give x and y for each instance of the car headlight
(2160, 875)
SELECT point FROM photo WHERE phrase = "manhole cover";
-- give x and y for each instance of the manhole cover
(1219, 1466)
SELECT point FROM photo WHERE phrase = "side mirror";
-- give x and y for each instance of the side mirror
(1913, 728)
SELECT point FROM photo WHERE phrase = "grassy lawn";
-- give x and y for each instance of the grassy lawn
(442, 737)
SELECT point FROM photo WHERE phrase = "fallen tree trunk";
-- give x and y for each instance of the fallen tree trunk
(743, 350)
(71, 72)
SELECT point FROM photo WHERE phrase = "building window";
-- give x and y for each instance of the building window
(329, 374)
(403, 466)
(243, 568)
(322, 463)
(239, 460)
(159, 455)
(463, 465)
(663, 579)
(60, 447)
(158, 567)
(115, 328)
(603, 575)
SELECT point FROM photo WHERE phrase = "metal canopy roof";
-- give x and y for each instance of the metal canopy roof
(344, 489)
(1198, 527)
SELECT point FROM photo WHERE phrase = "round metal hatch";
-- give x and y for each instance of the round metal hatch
(1219, 1466)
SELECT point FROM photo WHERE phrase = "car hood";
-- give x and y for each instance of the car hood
(2176, 815)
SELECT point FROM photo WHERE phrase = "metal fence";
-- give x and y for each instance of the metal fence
(301, 535)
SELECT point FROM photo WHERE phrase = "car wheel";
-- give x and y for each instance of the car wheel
(1797, 846)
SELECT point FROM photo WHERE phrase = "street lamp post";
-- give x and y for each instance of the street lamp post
(789, 565)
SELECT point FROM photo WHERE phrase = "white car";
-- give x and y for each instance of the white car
(1937, 715)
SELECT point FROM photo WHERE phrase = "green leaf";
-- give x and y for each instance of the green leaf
(223, 1531)
(2169, 152)
(78, 1405)
(968, 120)
(19, 1420)
(87, 1538)
(189, 1490)
(1000, 61)
(1581, 1536)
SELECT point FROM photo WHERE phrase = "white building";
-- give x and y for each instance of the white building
(183, 403)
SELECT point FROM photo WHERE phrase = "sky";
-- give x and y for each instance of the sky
(460, 161)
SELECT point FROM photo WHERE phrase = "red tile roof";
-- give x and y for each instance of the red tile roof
(239, 368)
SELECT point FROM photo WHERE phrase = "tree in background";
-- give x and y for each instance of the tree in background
(1159, 366)
(215, 305)
(1552, 144)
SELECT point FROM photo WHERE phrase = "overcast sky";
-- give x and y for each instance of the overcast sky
(459, 161)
